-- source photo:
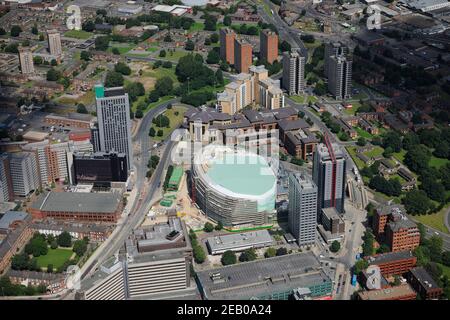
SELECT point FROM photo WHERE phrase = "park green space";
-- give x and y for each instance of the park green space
(175, 121)
(303, 98)
(197, 26)
(363, 133)
(377, 151)
(435, 220)
(122, 50)
(437, 162)
(163, 72)
(56, 257)
(78, 34)
(176, 55)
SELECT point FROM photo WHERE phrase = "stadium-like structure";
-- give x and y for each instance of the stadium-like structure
(235, 187)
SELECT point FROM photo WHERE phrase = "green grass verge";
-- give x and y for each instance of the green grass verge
(435, 220)
(437, 162)
(175, 121)
(56, 257)
(363, 133)
(78, 34)
(377, 151)
(197, 26)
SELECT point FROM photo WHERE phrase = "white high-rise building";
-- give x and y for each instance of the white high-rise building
(5, 179)
(302, 209)
(293, 72)
(24, 173)
(340, 77)
(114, 123)
(329, 176)
(54, 42)
(26, 61)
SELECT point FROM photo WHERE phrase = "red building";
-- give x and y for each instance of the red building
(269, 46)
(393, 263)
(243, 56)
(424, 284)
(80, 206)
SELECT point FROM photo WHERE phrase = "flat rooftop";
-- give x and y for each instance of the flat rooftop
(390, 257)
(78, 202)
(424, 278)
(243, 174)
(262, 277)
(239, 240)
(388, 294)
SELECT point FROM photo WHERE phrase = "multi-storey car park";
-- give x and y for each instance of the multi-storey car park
(235, 187)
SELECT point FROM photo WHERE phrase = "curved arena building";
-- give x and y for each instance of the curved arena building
(235, 187)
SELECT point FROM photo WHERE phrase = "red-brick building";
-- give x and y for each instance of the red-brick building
(243, 56)
(393, 263)
(269, 46)
(79, 206)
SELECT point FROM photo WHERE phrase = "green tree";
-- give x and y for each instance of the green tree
(248, 255)
(53, 75)
(50, 268)
(34, 30)
(115, 51)
(394, 140)
(227, 20)
(65, 239)
(219, 226)
(189, 45)
(214, 38)
(210, 22)
(122, 68)
(152, 132)
(79, 247)
(284, 46)
(335, 246)
(162, 53)
(164, 86)
(281, 251)
(81, 108)
(160, 133)
(416, 202)
(213, 57)
(167, 64)
(113, 79)
(199, 254)
(270, 252)
(209, 227)
(228, 257)
(102, 43)
(383, 249)
(85, 55)
(361, 141)
(15, 31)
(360, 266)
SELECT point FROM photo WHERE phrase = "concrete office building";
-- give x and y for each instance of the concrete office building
(54, 43)
(227, 37)
(268, 46)
(6, 192)
(239, 242)
(114, 123)
(24, 173)
(333, 49)
(99, 167)
(302, 209)
(26, 61)
(55, 159)
(243, 56)
(153, 264)
(340, 77)
(293, 72)
(329, 176)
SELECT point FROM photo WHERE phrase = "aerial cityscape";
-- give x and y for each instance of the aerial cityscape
(225, 150)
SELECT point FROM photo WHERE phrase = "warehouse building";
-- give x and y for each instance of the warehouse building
(269, 279)
(100, 207)
(239, 242)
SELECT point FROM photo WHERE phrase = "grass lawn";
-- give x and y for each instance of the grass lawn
(122, 50)
(197, 26)
(78, 34)
(175, 121)
(163, 72)
(377, 151)
(400, 156)
(175, 56)
(57, 257)
(435, 220)
(152, 49)
(86, 99)
(303, 99)
(400, 179)
(359, 163)
(437, 162)
(363, 133)
(445, 270)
